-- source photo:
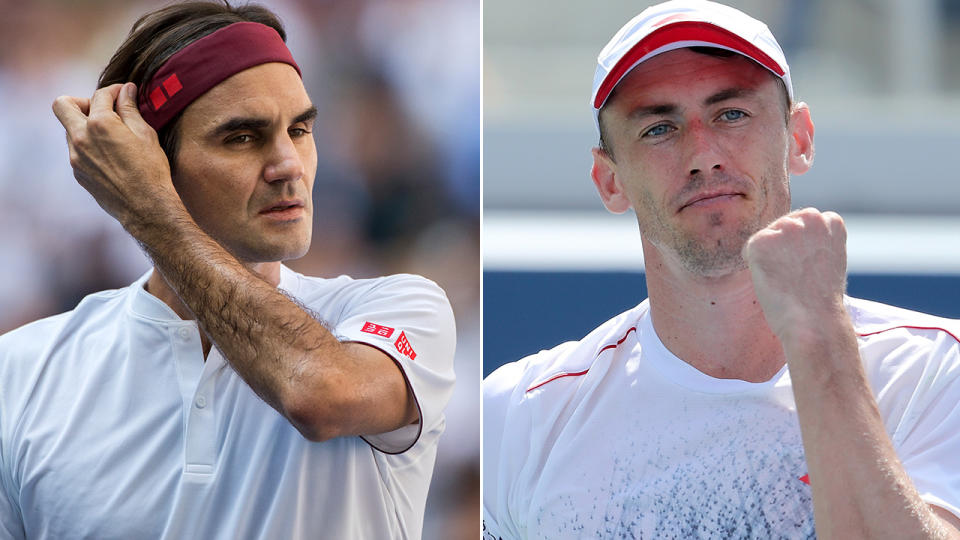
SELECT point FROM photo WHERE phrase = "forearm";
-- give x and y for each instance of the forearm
(860, 488)
(286, 356)
(323, 387)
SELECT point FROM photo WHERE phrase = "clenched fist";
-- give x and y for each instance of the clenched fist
(799, 269)
(115, 154)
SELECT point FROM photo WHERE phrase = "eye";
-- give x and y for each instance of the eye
(732, 115)
(658, 130)
(299, 132)
(240, 139)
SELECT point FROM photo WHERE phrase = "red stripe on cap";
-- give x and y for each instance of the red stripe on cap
(681, 31)
(205, 63)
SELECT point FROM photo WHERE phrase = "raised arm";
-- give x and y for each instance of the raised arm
(860, 488)
(325, 388)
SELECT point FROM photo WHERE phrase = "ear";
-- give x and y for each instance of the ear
(801, 139)
(604, 177)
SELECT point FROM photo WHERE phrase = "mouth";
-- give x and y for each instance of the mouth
(284, 210)
(709, 199)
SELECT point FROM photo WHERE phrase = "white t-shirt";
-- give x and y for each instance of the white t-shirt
(113, 426)
(615, 437)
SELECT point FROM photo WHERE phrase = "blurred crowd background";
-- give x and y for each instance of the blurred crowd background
(397, 84)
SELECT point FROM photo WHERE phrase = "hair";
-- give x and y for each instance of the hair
(710, 51)
(160, 34)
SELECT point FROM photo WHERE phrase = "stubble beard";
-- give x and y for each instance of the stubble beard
(713, 256)
(710, 255)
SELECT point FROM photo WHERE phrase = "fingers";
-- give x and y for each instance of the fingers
(103, 100)
(129, 111)
(71, 112)
(809, 223)
(82, 103)
(809, 218)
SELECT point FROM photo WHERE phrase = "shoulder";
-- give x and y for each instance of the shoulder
(912, 361)
(30, 339)
(44, 348)
(530, 399)
(876, 322)
(536, 374)
(345, 289)
(33, 338)
(906, 350)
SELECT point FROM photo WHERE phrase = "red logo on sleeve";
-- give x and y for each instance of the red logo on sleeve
(377, 330)
(805, 479)
(404, 347)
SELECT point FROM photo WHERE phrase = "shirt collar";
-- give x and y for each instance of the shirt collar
(144, 304)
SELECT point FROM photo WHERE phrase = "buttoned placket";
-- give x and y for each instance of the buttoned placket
(197, 380)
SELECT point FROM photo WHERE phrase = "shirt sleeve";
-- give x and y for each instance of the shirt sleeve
(928, 441)
(409, 318)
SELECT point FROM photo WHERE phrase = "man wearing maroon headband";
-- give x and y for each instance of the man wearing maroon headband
(221, 395)
(748, 397)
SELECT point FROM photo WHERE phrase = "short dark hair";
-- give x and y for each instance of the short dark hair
(711, 51)
(158, 35)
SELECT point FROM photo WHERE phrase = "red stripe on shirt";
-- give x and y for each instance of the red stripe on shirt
(949, 333)
(584, 372)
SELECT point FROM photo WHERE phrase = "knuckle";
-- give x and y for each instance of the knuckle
(79, 140)
(834, 218)
(95, 123)
(791, 223)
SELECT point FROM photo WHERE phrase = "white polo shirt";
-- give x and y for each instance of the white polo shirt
(615, 437)
(113, 426)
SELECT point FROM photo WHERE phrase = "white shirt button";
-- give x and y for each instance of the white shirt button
(201, 402)
(184, 333)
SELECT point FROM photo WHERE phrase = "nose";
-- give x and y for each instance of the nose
(703, 153)
(284, 162)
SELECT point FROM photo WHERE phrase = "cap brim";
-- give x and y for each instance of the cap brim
(690, 33)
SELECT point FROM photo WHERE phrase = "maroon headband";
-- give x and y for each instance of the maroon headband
(207, 62)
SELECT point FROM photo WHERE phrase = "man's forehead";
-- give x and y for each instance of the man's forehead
(712, 70)
(268, 91)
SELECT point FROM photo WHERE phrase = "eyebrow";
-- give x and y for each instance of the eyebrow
(669, 108)
(241, 123)
(729, 93)
(307, 115)
(653, 110)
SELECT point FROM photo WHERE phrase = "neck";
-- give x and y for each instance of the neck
(157, 286)
(715, 324)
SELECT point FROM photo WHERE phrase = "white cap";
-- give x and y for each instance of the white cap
(685, 23)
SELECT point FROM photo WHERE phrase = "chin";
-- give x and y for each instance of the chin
(268, 253)
(716, 257)
(717, 269)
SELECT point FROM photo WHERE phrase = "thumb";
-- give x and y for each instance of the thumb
(129, 111)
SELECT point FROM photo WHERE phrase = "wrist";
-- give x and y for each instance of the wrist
(824, 349)
(160, 220)
(803, 324)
